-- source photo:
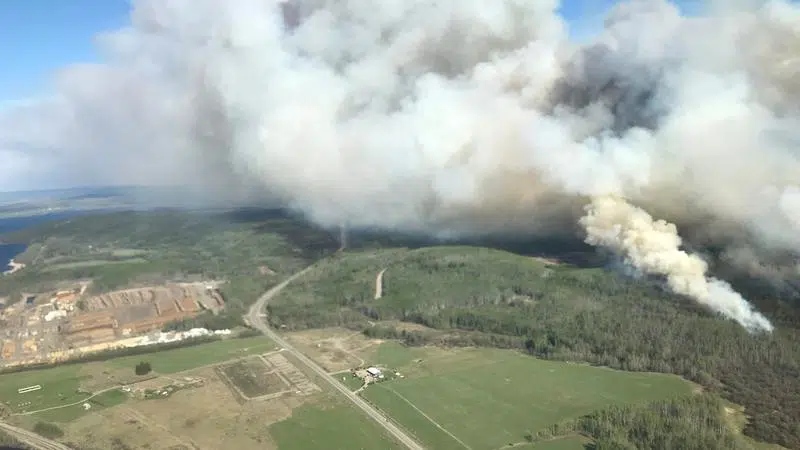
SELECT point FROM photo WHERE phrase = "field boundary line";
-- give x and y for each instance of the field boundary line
(138, 415)
(227, 380)
(436, 424)
(167, 376)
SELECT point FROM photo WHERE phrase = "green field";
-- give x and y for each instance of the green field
(92, 263)
(60, 385)
(332, 427)
(481, 297)
(485, 398)
(186, 358)
(105, 400)
(349, 380)
(568, 443)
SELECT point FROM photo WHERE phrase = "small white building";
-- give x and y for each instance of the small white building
(54, 315)
(374, 371)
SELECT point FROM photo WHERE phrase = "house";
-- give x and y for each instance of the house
(374, 371)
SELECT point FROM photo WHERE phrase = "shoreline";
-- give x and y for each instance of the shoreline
(15, 267)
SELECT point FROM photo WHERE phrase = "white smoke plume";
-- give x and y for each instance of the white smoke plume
(654, 247)
(446, 115)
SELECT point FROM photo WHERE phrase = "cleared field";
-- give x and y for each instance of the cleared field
(211, 417)
(565, 443)
(336, 426)
(92, 263)
(61, 385)
(335, 349)
(208, 417)
(486, 399)
(105, 400)
(253, 378)
(186, 358)
(569, 443)
(347, 379)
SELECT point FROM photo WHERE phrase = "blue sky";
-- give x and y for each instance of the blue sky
(39, 36)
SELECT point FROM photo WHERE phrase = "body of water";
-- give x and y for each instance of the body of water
(9, 251)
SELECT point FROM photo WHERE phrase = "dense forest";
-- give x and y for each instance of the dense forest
(693, 423)
(477, 296)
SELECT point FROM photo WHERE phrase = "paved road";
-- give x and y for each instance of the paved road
(255, 316)
(32, 439)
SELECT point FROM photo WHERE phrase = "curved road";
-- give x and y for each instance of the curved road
(31, 438)
(255, 317)
(379, 285)
(28, 413)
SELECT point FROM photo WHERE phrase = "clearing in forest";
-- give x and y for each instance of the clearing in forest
(488, 398)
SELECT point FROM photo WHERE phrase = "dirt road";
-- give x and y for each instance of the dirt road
(31, 438)
(255, 316)
(379, 285)
(28, 413)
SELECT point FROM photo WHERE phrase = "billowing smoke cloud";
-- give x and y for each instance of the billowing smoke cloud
(654, 247)
(450, 115)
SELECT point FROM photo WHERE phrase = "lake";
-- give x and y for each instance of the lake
(9, 251)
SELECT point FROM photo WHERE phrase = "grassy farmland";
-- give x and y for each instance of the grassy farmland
(66, 384)
(567, 443)
(321, 420)
(335, 426)
(186, 358)
(480, 297)
(485, 398)
(106, 399)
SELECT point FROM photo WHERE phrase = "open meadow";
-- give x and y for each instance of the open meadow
(235, 393)
(186, 358)
(70, 383)
(461, 296)
(486, 399)
(212, 416)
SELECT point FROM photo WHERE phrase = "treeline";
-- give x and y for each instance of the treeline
(489, 298)
(693, 423)
(208, 320)
(48, 430)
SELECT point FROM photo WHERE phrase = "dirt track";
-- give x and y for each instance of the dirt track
(379, 284)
